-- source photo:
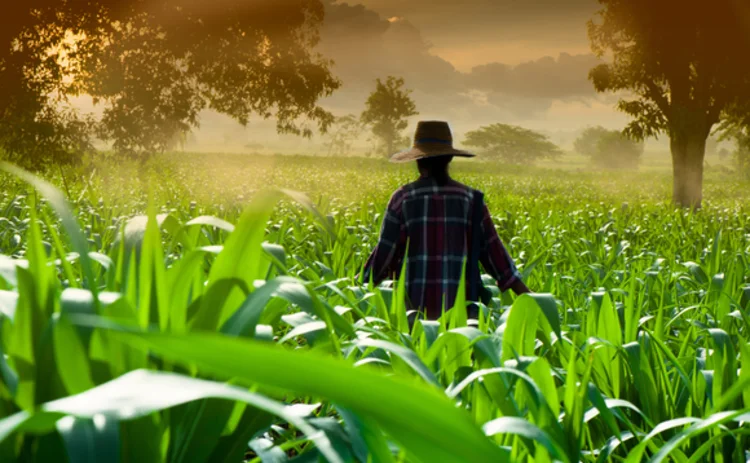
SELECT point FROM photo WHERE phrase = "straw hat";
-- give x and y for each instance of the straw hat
(432, 138)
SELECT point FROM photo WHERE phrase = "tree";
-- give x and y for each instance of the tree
(684, 62)
(154, 66)
(345, 132)
(512, 144)
(587, 143)
(735, 127)
(609, 148)
(386, 111)
(616, 151)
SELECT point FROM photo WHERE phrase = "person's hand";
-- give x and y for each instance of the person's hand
(519, 287)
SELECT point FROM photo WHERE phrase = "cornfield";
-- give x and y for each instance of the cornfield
(169, 327)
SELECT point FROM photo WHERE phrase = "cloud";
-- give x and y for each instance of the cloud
(474, 21)
(367, 43)
(530, 88)
(365, 46)
(562, 78)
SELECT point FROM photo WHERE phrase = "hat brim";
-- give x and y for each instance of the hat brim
(421, 152)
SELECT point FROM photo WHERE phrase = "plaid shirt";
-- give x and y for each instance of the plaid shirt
(435, 221)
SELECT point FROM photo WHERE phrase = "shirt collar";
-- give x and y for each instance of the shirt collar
(432, 179)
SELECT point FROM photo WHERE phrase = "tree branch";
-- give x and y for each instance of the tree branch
(657, 96)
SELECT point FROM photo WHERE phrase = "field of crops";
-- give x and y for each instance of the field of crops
(183, 311)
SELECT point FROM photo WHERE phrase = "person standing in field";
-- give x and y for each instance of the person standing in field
(431, 222)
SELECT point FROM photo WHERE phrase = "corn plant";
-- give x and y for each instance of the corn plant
(198, 333)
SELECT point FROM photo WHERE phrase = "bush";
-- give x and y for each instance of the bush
(609, 149)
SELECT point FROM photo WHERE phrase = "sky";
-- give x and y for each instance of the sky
(473, 32)
(471, 62)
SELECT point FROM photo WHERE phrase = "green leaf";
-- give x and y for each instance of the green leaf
(70, 357)
(90, 440)
(196, 428)
(247, 317)
(211, 222)
(242, 257)
(140, 393)
(700, 427)
(521, 427)
(519, 335)
(367, 439)
(407, 355)
(60, 205)
(451, 431)
(231, 448)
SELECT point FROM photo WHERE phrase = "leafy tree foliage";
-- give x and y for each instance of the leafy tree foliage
(386, 112)
(609, 148)
(736, 128)
(154, 66)
(685, 63)
(512, 144)
(587, 143)
(344, 133)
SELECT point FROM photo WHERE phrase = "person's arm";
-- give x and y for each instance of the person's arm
(387, 256)
(496, 260)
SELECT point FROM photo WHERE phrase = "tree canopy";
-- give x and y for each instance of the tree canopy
(587, 143)
(153, 66)
(609, 148)
(386, 112)
(512, 144)
(684, 63)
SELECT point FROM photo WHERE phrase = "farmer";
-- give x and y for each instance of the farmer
(433, 219)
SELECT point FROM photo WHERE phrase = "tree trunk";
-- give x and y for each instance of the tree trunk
(688, 146)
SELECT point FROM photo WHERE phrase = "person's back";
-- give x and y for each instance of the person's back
(432, 218)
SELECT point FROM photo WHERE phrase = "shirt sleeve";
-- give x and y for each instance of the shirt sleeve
(494, 257)
(388, 255)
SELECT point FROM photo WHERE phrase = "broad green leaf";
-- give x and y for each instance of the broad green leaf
(140, 393)
(90, 440)
(407, 355)
(451, 431)
(247, 317)
(212, 222)
(519, 335)
(242, 257)
(521, 427)
(71, 358)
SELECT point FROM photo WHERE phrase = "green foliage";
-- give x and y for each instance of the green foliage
(153, 68)
(175, 327)
(587, 143)
(512, 144)
(386, 111)
(673, 57)
(609, 148)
